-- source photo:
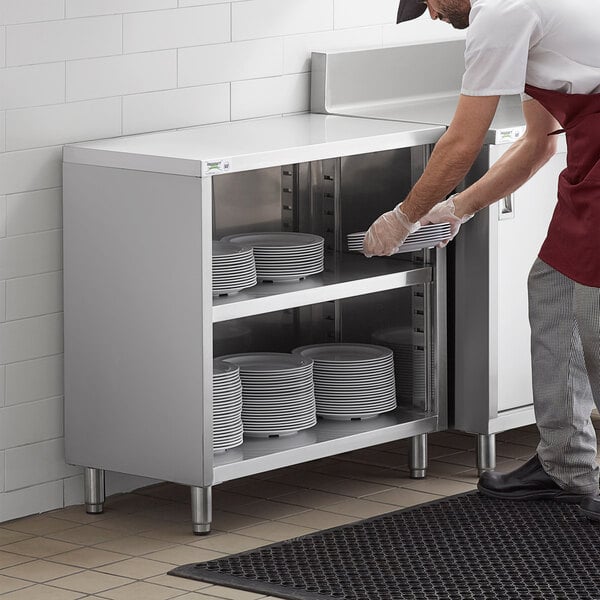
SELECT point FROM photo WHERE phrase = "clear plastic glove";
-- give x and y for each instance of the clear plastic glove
(388, 233)
(444, 212)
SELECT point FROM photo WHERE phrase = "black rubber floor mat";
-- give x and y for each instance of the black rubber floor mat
(463, 547)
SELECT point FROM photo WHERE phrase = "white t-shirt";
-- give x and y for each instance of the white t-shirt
(550, 44)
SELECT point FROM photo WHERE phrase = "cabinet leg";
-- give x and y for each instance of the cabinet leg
(201, 509)
(486, 452)
(418, 456)
(93, 483)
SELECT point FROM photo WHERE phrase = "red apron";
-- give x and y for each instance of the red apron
(572, 245)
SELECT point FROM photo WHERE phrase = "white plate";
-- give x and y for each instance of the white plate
(344, 354)
(267, 362)
(274, 239)
(224, 249)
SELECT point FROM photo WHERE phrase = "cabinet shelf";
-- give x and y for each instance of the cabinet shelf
(327, 438)
(345, 276)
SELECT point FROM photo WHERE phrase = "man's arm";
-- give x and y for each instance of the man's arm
(450, 161)
(516, 165)
(453, 155)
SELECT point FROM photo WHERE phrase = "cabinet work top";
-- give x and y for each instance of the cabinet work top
(254, 144)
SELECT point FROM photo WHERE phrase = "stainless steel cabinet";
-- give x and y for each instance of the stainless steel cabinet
(142, 327)
(493, 256)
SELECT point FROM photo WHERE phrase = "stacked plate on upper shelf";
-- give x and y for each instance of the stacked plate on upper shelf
(278, 393)
(408, 347)
(352, 381)
(283, 256)
(228, 430)
(426, 237)
(233, 268)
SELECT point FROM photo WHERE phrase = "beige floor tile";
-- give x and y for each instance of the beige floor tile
(38, 525)
(178, 583)
(134, 503)
(264, 489)
(512, 450)
(453, 440)
(9, 584)
(435, 451)
(312, 498)
(135, 545)
(7, 559)
(167, 491)
(137, 568)
(8, 536)
(345, 486)
(228, 521)
(87, 535)
(127, 523)
(219, 591)
(365, 472)
(275, 531)
(229, 543)
(180, 555)
(88, 558)
(39, 547)
(441, 487)
(361, 508)
(173, 533)
(467, 459)
(40, 571)
(269, 510)
(168, 512)
(402, 497)
(90, 582)
(226, 500)
(77, 514)
(43, 592)
(318, 519)
(140, 590)
(380, 458)
(195, 596)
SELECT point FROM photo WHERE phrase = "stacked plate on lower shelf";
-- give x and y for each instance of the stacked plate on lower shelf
(278, 393)
(408, 347)
(228, 430)
(352, 381)
(426, 237)
(233, 268)
(283, 256)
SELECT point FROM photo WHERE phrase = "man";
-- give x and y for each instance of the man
(549, 51)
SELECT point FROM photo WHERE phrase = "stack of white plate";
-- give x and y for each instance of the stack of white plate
(352, 381)
(233, 268)
(278, 393)
(426, 237)
(409, 360)
(228, 430)
(283, 256)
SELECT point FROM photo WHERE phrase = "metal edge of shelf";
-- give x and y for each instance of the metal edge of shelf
(324, 293)
(196, 167)
(302, 454)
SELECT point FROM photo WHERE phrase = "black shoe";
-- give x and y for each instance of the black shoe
(529, 482)
(590, 507)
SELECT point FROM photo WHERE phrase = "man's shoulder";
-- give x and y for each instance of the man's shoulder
(504, 7)
(501, 16)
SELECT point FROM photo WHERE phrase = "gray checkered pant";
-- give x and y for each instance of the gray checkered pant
(565, 351)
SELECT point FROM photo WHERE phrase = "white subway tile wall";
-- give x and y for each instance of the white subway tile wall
(74, 70)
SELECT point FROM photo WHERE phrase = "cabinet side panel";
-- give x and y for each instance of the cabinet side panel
(519, 241)
(138, 334)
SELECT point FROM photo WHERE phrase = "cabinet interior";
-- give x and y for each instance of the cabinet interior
(330, 198)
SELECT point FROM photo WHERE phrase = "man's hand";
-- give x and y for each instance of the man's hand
(388, 233)
(445, 212)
